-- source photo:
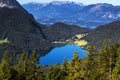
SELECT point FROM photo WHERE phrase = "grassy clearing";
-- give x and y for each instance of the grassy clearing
(80, 42)
(4, 41)
(74, 40)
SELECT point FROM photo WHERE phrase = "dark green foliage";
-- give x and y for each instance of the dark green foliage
(27, 67)
(109, 31)
(100, 64)
(116, 70)
(91, 63)
(5, 67)
(22, 31)
(33, 70)
(22, 66)
(64, 64)
(107, 60)
(61, 31)
(25, 34)
(56, 73)
(75, 70)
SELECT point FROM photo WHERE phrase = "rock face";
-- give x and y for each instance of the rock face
(109, 31)
(20, 29)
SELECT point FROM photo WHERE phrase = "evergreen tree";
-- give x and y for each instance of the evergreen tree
(22, 65)
(5, 67)
(91, 64)
(108, 57)
(75, 71)
(33, 68)
(103, 64)
(64, 68)
(55, 73)
(49, 73)
(64, 64)
(116, 70)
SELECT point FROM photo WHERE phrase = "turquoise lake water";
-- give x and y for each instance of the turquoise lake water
(58, 54)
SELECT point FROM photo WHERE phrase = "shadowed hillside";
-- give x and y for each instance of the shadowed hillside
(21, 30)
(61, 31)
(109, 31)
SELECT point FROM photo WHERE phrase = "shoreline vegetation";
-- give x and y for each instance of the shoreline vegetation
(76, 40)
(102, 64)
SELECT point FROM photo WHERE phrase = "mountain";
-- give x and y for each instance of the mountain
(74, 13)
(100, 11)
(60, 31)
(19, 31)
(53, 9)
(109, 31)
(11, 4)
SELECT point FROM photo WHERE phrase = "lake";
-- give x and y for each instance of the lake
(58, 54)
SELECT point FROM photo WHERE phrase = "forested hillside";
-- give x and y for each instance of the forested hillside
(61, 31)
(109, 31)
(23, 33)
(102, 64)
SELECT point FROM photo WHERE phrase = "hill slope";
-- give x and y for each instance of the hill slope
(61, 31)
(21, 30)
(109, 31)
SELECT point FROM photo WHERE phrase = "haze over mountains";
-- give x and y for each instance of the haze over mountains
(74, 13)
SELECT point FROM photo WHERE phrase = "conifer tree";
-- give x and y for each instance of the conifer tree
(91, 64)
(5, 67)
(49, 73)
(33, 69)
(103, 64)
(64, 68)
(64, 64)
(55, 73)
(107, 61)
(22, 65)
(75, 71)
(116, 70)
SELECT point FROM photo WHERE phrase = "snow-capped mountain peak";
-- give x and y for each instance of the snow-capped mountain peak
(64, 2)
(2, 4)
(59, 2)
(9, 3)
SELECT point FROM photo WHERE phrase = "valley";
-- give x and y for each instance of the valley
(59, 40)
(25, 33)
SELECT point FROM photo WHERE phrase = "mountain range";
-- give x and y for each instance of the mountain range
(19, 31)
(88, 16)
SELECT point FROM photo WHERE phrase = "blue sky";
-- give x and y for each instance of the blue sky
(114, 2)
